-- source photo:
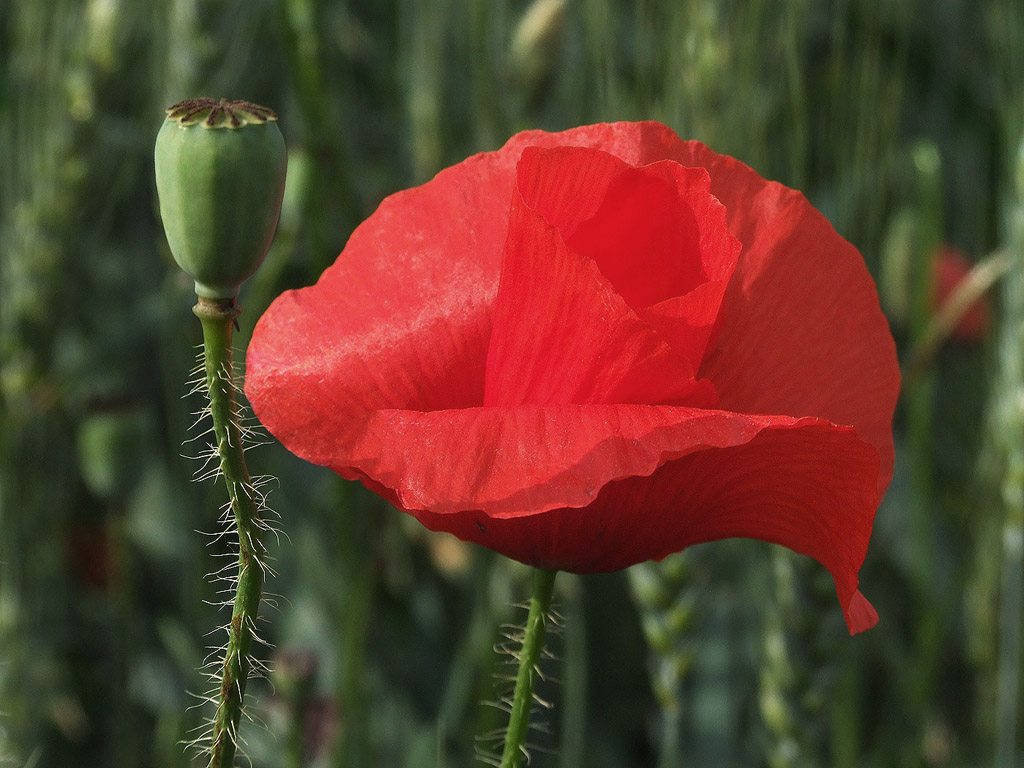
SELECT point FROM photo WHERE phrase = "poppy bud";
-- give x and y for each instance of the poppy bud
(220, 170)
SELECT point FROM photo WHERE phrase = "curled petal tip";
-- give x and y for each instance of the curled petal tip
(860, 614)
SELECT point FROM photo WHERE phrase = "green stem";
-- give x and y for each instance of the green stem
(218, 317)
(671, 739)
(533, 644)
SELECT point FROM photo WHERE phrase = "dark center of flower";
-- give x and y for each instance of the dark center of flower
(219, 114)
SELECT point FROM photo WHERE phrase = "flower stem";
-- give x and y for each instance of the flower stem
(533, 645)
(218, 317)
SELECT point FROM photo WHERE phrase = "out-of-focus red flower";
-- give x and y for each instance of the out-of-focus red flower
(90, 555)
(951, 268)
(592, 348)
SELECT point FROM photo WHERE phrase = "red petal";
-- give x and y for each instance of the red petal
(402, 318)
(860, 614)
(636, 223)
(802, 331)
(601, 487)
(645, 235)
(563, 335)
(566, 185)
(633, 143)
(656, 233)
(687, 322)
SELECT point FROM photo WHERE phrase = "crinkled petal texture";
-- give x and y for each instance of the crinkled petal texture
(592, 348)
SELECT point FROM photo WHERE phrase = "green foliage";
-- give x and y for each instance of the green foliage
(102, 587)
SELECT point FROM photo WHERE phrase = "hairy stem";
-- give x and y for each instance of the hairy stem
(218, 317)
(533, 645)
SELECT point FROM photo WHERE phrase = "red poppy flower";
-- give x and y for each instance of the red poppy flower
(592, 348)
(951, 268)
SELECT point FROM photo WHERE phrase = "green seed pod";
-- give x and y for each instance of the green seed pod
(220, 170)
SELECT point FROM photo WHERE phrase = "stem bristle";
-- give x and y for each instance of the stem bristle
(511, 646)
(247, 558)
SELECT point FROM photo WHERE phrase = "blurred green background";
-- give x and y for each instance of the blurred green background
(901, 121)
